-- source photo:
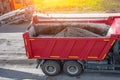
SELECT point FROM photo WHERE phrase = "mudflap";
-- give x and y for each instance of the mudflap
(39, 62)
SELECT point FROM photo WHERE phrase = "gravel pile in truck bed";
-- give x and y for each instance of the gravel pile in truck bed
(72, 30)
(76, 32)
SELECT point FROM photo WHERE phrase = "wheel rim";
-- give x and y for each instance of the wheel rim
(50, 69)
(72, 69)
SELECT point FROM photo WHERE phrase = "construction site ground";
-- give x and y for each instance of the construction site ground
(14, 64)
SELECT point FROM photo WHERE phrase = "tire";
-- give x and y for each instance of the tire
(51, 68)
(72, 68)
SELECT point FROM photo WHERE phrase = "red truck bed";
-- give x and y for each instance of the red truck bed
(87, 48)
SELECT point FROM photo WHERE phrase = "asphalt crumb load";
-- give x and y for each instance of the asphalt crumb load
(70, 30)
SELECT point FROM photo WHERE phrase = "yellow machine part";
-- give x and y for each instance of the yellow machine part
(19, 4)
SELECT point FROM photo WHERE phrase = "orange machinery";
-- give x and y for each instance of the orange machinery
(17, 4)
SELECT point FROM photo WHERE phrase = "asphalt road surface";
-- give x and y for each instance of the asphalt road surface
(14, 64)
(14, 28)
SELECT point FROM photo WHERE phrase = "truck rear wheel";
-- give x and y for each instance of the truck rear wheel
(51, 68)
(72, 68)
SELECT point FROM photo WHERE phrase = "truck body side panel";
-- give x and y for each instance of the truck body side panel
(70, 48)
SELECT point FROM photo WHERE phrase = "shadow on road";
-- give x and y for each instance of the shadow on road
(19, 75)
(103, 74)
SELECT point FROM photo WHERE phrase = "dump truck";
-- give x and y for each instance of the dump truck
(73, 55)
